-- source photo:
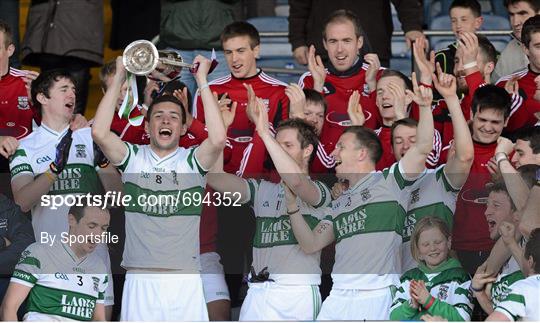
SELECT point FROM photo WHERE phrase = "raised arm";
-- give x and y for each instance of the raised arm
(224, 182)
(517, 187)
(530, 219)
(310, 241)
(15, 296)
(459, 164)
(209, 150)
(111, 145)
(288, 169)
(414, 161)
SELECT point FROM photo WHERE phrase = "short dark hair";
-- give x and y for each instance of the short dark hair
(77, 209)
(315, 97)
(8, 34)
(500, 187)
(305, 133)
(487, 49)
(241, 28)
(45, 81)
(528, 173)
(403, 77)
(491, 97)
(473, 5)
(108, 69)
(174, 85)
(366, 138)
(407, 122)
(166, 98)
(532, 135)
(532, 249)
(340, 16)
(530, 27)
(535, 4)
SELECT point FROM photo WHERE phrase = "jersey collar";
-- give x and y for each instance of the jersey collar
(72, 254)
(259, 71)
(159, 160)
(355, 69)
(50, 132)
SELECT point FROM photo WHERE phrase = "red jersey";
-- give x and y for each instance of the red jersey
(338, 87)
(470, 231)
(133, 134)
(241, 133)
(524, 106)
(16, 111)
(387, 159)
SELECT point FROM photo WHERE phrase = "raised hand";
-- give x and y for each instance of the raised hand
(354, 109)
(445, 84)
(508, 232)
(251, 110)
(62, 153)
(203, 66)
(481, 279)
(182, 96)
(28, 78)
(413, 302)
(290, 198)
(228, 114)
(469, 46)
(316, 68)
(8, 145)
(149, 90)
(425, 66)
(399, 100)
(301, 55)
(373, 69)
(504, 145)
(338, 189)
(422, 95)
(297, 100)
(512, 85)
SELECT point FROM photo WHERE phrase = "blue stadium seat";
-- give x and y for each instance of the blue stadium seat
(282, 63)
(273, 47)
(491, 22)
(404, 65)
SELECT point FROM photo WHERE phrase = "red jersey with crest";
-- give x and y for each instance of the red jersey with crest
(242, 131)
(524, 106)
(338, 87)
(16, 112)
(470, 231)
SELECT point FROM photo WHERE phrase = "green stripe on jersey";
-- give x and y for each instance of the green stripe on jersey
(271, 232)
(438, 209)
(370, 218)
(447, 186)
(500, 289)
(60, 302)
(32, 261)
(17, 153)
(76, 178)
(164, 203)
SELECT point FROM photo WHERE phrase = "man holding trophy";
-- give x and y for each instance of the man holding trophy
(161, 253)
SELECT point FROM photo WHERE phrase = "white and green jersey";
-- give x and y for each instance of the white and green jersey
(33, 157)
(368, 222)
(274, 244)
(162, 219)
(449, 284)
(523, 300)
(63, 286)
(510, 273)
(432, 195)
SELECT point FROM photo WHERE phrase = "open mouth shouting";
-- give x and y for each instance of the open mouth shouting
(165, 133)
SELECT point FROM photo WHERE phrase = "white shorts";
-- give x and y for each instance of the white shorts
(357, 305)
(103, 252)
(269, 301)
(163, 296)
(213, 279)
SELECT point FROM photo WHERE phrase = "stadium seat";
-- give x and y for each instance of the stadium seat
(282, 10)
(491, 22)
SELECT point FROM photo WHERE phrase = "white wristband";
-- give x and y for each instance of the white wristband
(204, 86)
(470, 65)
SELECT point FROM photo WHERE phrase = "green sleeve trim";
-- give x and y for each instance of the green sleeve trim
(17, 153)
(446, 183)
(514, 298)
(22, 168)
(252, 191)
(192, 160)
(23, 275)
(124, 163)
(322, 190)
(462, 291)
(32, 261)
(498, 307)
(400, 179)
